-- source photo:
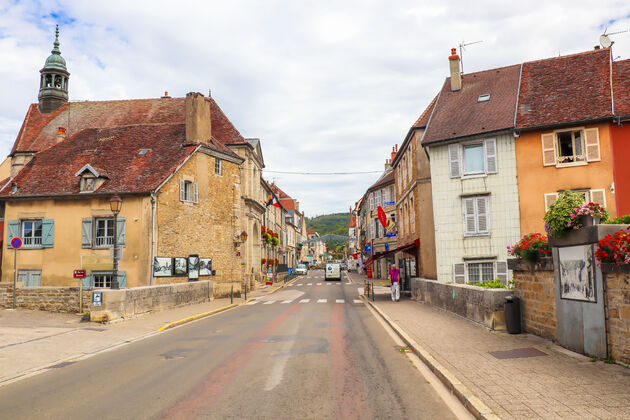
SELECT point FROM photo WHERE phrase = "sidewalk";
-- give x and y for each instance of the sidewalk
(534, 378)
(31, 341)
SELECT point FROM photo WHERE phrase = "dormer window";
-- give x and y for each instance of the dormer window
(88, 183)
(483, 98)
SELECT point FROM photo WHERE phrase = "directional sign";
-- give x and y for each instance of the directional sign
(16, 243)
(80, 274)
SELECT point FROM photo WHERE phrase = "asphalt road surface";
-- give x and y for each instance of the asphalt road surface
(310, 351)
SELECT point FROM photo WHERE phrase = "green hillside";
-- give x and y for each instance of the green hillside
(336, 223)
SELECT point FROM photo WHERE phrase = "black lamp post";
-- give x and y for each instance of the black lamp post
(115, 204)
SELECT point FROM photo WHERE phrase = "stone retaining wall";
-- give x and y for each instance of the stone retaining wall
(535, 284)
(52, 299)
(125, 303)
(618, 315)
(485, 306)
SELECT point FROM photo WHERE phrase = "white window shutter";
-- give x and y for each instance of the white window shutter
(599, 197)
(182, 186)
(549, 149)
(502, 271)
(195, 193)
(469, 216)
(371, 201)
(592, 145)
(453, 160)
(459, 273)
(550, 198)
(482, 215)
(491, 156)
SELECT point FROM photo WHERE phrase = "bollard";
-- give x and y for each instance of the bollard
(232, 294)
(372, 291)
(245, 291)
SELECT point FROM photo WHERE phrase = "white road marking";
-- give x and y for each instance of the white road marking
(310, 284)
(328, 284)
(269, 302)
(322, 300)
(301, 284)
(340, 301)
(280, 360)
(253, 302)
(357, 301)
(319, 284)
(287, 301)
(305, 301)
(349, 282)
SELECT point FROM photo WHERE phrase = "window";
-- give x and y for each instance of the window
(476, 216)
(39, 233)
(480, 272)
(371, 201)
(377, 198)
(30, 278)
(597, 196)
(570, 147)
(472, 159)
(32, 233)
(217, 166)
(412, 216)
(103, 279)
(483, 98)
(188, 192)
(99, 232)
(392, 194)
(88, 183)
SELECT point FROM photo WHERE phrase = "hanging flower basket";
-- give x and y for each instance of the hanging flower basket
(263, 261)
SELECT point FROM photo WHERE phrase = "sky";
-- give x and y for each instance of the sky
(328, 86)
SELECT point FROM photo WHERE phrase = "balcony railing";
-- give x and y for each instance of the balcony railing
(32, 241)
(104, 240)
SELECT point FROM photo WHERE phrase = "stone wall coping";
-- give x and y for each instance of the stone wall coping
(614, 268)
(585, 235)
(517, 264)
(464, 286)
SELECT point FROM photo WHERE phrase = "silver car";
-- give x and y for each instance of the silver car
(301, 269)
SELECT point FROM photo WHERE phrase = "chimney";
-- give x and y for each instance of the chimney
(456, 74)
(386, 164)
(394, 150)
(61, 134)
(198, 126)
(165, 95)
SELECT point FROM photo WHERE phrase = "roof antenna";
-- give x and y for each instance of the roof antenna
(461, 49)
(604, 39)
(209, 93)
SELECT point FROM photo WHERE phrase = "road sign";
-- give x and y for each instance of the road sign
(389, 203)
(382, 217)
(97, 298)
(80, 274)
(390, 234)
(16, 243)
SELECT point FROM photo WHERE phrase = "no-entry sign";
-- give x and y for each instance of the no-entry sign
(16, 243)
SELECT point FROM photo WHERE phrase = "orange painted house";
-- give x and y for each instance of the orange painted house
(568, 135)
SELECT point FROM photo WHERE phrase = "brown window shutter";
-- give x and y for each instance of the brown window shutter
(549, 149)
(592, 145)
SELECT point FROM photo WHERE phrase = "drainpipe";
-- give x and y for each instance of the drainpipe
(152, 238)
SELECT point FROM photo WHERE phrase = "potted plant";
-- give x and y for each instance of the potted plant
(588, 214)
(263, 261)
(531, 247)
(558, 218)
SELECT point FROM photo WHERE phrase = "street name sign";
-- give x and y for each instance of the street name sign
(80, 274)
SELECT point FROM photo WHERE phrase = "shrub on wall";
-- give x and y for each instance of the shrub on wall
(615, 248)
(531, 247)
(623, 220)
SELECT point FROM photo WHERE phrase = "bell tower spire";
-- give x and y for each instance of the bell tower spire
(53, 84)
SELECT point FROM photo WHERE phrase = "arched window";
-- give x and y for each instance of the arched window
(48, 80)
(58, 81)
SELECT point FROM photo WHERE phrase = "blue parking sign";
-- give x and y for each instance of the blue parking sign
(97, 298)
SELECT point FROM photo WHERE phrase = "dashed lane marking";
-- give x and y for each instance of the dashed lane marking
(287, 301)
(305, 301)
(269, 302)
(340, 301)
(319, 284)
(322, 300)
(357, 301)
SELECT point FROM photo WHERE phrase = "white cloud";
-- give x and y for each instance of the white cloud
(327, 86)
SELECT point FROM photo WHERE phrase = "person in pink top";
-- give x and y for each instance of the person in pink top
(394, 275)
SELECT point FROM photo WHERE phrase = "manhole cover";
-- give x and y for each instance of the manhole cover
(518, 353)
(62, 364)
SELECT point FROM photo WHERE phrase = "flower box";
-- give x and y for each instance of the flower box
(517, 264)
(614, 268)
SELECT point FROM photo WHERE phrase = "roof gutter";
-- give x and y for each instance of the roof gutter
(567, 124)
(73, 195)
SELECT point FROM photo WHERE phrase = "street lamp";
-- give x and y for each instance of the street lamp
(115, 204)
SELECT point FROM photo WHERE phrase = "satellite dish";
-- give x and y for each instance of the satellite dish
(605, 41)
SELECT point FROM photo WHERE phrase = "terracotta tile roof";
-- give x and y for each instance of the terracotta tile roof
(114, 150)
(287, 203)
(39, 131)
(565, 89)
(423, 120)
(621, 87)
(459, 114)
(353, 222)
(310, 231)
(388, 178)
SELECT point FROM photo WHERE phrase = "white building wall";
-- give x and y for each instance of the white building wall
(451, 245)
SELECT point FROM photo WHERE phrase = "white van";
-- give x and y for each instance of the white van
(333, 271)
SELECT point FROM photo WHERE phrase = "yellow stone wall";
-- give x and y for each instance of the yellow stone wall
(206, 228)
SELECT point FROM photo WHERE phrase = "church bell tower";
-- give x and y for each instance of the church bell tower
(53, 84)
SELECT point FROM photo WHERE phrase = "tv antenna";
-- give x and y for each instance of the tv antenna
(604, 39)
(462, 48)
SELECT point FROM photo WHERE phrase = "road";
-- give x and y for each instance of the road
(310, 351)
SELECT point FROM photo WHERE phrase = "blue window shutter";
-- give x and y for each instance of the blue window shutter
(48, 233)
(13, 231)
(87, 280)
(120, 231)
(122, 279)
(86, 233)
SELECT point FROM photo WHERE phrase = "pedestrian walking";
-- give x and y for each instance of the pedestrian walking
(394, 275)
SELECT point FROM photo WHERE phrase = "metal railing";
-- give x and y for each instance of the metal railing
(32, 241)
(104, 240)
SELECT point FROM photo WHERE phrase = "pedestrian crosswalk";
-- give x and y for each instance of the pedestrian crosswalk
(287, 301)
(316, 284)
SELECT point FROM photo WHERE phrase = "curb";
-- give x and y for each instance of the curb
(198, 316)
(477, 407)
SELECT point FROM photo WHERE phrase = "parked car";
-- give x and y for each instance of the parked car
(333, 272)
(301, 269)
(344, 266)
